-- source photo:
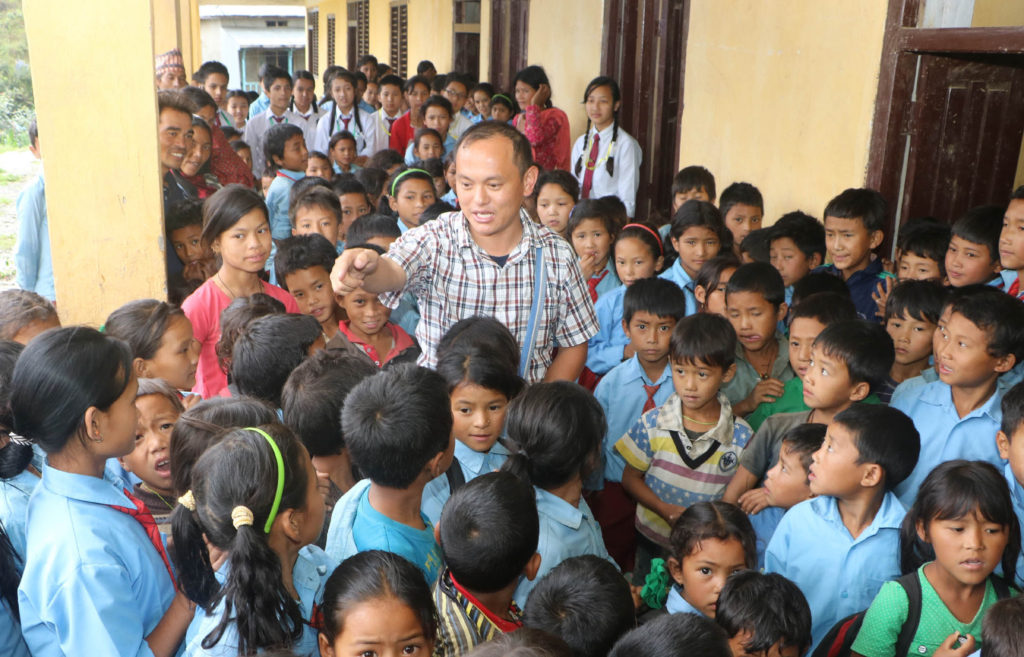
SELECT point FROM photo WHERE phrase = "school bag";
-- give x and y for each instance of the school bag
(838, 641)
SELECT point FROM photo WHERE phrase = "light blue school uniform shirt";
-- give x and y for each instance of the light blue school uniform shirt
(32, 260)
(678, 275)
(622, 396)
(945, 435)
(412, 160)
(1017, 497)
(367, 107)
(357, 527)
(565, 531)
(604, 351)
(675, 603)
(450, 198)
(407, 314)
(765, 522)
(310, 573)
(261, 104)
(12, 644)
(472, 463)
(352, 168)
(92, 577)
(277, 202)
(910, 387)
(837, 573)
(14, 495)
(609, 282)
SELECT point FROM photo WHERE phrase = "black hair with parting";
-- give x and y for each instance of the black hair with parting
(675, 635)
(716, 519)
(597, 83)
(647, 236)
(759, 278)
(864, 347)
(885, 436)
(533, 76)
(585, 601)
(484, 332)
(60, 375)
(314, 396)
(770, 607)
(236, 472)
(953, 490)
(658, 296)
(466, 362)
(709, 276)
(142, 324)
(705, 338)
(592, 208)
(488, 531)
(266, 352)
(304, 75)
(562, 179)
(395, 422)
(226, 207)
(865, 204)
(14, 457)
(694, 214)
(554, 434)
(384, 160)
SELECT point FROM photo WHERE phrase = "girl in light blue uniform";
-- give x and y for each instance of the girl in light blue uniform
(254, 496)
(96, 576)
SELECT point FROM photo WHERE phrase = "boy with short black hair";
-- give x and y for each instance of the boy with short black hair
(213, 77)
(488, 535)
(354, 202)
(840, 546)
(1011, 244)
(688, 447)
(982, 339)
(742, 208)
(849, 361)
(973, 255)
(796, 247)
(267, 351)
(317, 211)
(303, 266)
(285, 147)
(278, 86)
(379, 229)
(911, 317)
(755, 304)
(586, 602)
(401, 411)
(692, 182)
(1001, 630)
(854, 228)
(763, 615)
(437, 114)
(184, 226)
(922, 252)
(1010, 441)
(651, 307)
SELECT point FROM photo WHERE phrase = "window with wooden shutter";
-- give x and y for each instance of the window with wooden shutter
(330, 39)
(399, 36)
(313, 37)
(358, 31)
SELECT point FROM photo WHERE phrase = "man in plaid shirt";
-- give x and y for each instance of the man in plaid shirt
(482, 259)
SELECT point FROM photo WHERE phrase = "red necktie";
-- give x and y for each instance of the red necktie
(588, 177)
(593, 282)
(1014, 290)
(278, 119)
(345, 121)
(651, 391)
(391, 124)
(145, 518)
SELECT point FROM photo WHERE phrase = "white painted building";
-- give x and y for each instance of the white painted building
(243, 37)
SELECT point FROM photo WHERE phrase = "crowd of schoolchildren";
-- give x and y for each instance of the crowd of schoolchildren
(424, 384)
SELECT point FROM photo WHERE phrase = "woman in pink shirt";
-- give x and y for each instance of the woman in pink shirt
(546, 127)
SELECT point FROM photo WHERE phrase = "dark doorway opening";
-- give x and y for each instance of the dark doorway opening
(510, 21)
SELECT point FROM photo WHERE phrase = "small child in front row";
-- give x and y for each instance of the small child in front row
(426, 145)
(960, 529)
(854, 228)
(796, 247)
(285, 147)
(319, 165)
(592, 230)
(557, 193)
(1010, 441)
(742, 208)
(159, 407)
(755, 304)
(254, 496)
(377, 602)
(341, 150)
(638, 254)
(554, 435)
(651, 309)
(764, 615)
(482, 380)
(488, 536)
(787, 483)
(710, 541)
(411, 192)
(317, 211)
(840, 546)
(686, 450)
(712, 279)
(696, 234)
(303, 265)
(398, 426)
(849, 360)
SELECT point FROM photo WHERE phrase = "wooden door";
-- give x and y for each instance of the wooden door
(965, 134)
(510, 20)
(644, 48)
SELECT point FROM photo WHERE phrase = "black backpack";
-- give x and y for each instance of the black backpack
(840, 638)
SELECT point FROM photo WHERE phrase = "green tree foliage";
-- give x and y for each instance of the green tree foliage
(16, 104)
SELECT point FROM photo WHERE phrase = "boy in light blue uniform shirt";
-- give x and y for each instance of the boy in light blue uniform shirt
(285, 147)
(651, 307)
(841, 546)
(32, 257)
(980, 337)
(398, 427)
(1010, 441)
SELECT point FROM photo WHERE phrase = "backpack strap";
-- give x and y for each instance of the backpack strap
(456, 478)
(693, 464)
(1001, 586)
(912, 586)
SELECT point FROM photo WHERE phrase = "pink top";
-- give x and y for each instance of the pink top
(548, 133)
(203, 308)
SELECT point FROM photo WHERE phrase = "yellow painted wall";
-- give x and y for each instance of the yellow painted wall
(998, 13)
(103, 189)
(431, 32)
(782, 99)
(571, 59)
(485, 41)
(380, 30)
(176, 25)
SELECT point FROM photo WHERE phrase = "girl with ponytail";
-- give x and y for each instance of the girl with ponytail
(606, 160)
(554, 436)
(253, 497)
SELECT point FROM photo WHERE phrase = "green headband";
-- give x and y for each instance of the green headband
(280, 477)
(502, 96)
(402, 175)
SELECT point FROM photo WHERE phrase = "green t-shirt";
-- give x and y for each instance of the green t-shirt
(792, 400)
(884, 620)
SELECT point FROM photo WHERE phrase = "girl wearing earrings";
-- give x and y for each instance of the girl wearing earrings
(606, 160)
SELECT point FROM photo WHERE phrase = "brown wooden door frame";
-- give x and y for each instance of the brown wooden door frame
(902, 43)
(510, 22)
